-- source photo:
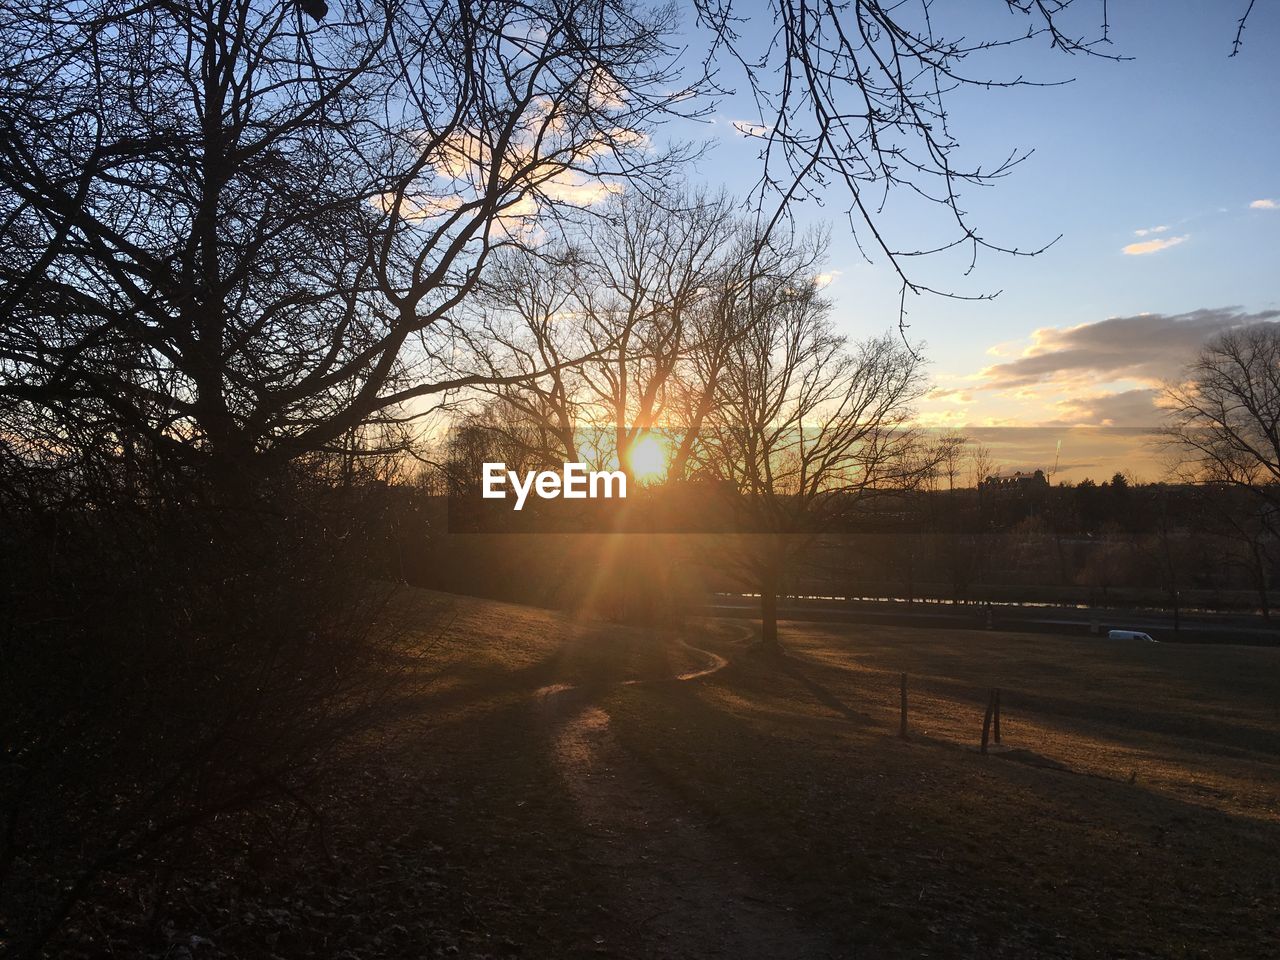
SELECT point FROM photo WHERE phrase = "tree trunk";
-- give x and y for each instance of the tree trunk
(1260, 578)
(770, 578)
(769, 615)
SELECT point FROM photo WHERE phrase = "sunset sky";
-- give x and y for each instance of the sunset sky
(1160, 173)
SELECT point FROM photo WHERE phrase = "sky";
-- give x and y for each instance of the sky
(1161, 174)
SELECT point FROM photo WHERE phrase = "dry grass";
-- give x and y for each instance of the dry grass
(1135, 815)
(1136, 812)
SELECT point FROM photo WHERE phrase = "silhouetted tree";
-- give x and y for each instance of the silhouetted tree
(1224, 416)
(1223, 434)
(237, 236)
(805, 426)
(244, 232)
(628, 328)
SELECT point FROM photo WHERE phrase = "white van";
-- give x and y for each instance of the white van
(1130, 635)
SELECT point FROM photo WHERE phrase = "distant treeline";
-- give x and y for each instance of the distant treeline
(1163, 545)
(1086, 507)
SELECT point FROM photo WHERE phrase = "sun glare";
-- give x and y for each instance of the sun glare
(649, 458)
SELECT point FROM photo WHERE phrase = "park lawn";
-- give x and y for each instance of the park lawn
(1135, 811)
(1134, 815)
(448, 834)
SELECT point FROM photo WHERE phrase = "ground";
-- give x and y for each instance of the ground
(571, 788)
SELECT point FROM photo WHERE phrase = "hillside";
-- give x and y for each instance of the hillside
(555, 793)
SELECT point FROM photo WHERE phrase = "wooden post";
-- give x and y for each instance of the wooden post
(986, 721)
(996, 731)
(902, 722)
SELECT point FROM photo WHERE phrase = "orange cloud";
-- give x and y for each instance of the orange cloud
(1147, 348)
(1153, 246)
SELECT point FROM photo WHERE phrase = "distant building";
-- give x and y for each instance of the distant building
(1017, 481)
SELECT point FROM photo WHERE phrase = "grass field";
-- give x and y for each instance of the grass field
(1137, 812)
(558, 795)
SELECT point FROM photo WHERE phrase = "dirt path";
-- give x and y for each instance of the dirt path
(687, 895)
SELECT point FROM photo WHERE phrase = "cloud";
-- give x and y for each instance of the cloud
(1147, 231)
(1125, 408)
(749, 129)
(605, 91)
(579, 190)
(950, 395)
(1005, 349)
(546, 163)
(825, 279)
(1153, 246)
(1094, 387)
(1149, 348)
(418, 207)
(1264, 204)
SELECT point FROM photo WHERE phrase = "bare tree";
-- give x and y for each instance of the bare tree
(1248, 527)
(982, 464)
(245, 233)
(854, 99)
(242, 228)
(653, 266)
(627, 329)
(237, 235)
(755, 274)
(1224, 431)
(1224, 418)
(805, 426)
(530, 310)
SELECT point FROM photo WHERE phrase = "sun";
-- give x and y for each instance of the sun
(649, 458)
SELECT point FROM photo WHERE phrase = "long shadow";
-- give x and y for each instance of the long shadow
(1245, 677)
(587, 659)
(1237, 740)
(855, 840)
(794, 668)
(477, 684)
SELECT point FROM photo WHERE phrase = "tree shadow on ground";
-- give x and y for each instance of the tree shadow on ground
(902, 848)
(801, 672)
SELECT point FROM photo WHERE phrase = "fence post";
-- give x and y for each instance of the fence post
(902, 722)
(996, 731)
(986, 720)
